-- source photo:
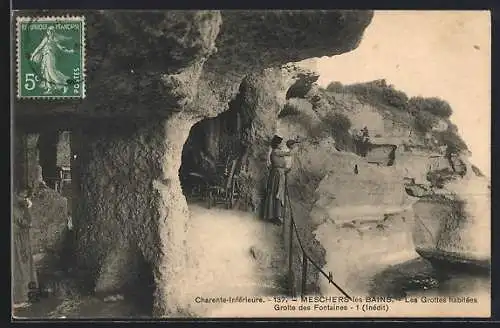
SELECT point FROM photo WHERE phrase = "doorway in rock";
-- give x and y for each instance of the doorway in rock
(52, 164)
(212, 159)
(54, 157)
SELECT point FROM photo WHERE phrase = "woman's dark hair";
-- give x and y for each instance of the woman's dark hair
(276, 141)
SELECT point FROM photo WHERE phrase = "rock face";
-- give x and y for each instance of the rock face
(154, 74)
(364, 219)
(454, 222)
(356, 218)
(164, 61)
(260, 110)
(130, 197)
(50, 218)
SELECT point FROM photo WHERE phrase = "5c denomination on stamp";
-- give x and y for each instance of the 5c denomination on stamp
(50, 57)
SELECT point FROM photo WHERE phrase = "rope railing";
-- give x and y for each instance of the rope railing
(305, 257)
(426, 228)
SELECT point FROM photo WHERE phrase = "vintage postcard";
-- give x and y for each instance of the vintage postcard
(251, 164)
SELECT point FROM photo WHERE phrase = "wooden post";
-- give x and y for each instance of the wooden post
(291, 282)
(285, 210)
(304, 273)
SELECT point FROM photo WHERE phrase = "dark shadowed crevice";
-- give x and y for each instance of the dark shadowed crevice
(303, 84)
(142, 298)
(299, 89)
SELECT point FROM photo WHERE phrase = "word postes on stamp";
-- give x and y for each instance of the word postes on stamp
(50, 57)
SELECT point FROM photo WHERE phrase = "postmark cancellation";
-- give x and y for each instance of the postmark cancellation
(50, 57)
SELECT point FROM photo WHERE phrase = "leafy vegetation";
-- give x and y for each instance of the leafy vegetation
(380, 92)
(452, 140)
(425, 121)
(289, 110)
(338, 125)
(338, 122)
(433, 105)
(335, 86)
(426, 113)
(395, 98)
(438, 178)
(334, 124)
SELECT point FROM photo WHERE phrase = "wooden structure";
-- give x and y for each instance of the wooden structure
(63, 177)
(223, 188)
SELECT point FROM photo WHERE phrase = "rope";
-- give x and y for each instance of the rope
(327, 276)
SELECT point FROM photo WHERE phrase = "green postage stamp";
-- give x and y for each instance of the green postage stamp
(50, 57)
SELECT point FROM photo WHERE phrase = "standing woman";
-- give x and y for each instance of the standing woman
(24, 274)
(274, 203)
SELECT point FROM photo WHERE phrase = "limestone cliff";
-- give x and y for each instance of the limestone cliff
(358, 201)
(365, 217)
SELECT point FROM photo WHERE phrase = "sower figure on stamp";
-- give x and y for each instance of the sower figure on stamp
(45, 56)
(274, 203)
(23, 267)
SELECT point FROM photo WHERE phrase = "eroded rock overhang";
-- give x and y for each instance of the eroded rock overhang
(154, 63)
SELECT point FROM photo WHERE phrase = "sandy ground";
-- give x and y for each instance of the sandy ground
(230, 257)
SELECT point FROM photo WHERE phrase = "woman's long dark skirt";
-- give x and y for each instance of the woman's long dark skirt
(273, 206)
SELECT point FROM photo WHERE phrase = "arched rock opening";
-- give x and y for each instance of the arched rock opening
(212, 146)
(303, 84)
(244, 132)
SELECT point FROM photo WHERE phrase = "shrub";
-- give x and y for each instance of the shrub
(452, 140)
(362, 90)
(438, 178)
(379, 91)
(432, 105)
(338, 121)
(314, 128)
(335, 87)
(425, 121)
(288, 110)
(317, 131)
(452, 127)
(395, 98)
(337, 125)
(334, 125)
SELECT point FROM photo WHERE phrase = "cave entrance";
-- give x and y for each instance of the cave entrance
(55, 158)
(43, 165)
(212, 159)
(44, 157)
